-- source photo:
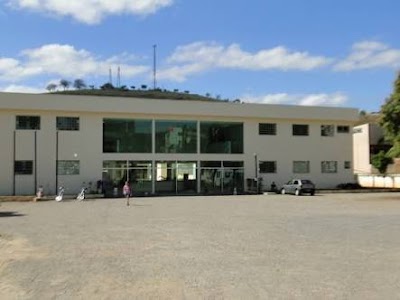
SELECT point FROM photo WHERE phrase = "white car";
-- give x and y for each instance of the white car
(298, 187)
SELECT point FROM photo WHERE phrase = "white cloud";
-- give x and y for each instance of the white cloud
(92, 11)
(22, 89)
(368, 55)
(201, 56)
(335, 99)
(63, 61)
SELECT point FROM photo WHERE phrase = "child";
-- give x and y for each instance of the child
(126, 190)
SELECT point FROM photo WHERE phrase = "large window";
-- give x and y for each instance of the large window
(28, 122)
(127, 136)
(68, 123)
(68, 167)
(224, 177)
(327, 130)
(329, 166)
(299, 129)
(221, 137)
(267, 166)
(176, 137)
(267, 129)
(23, 167)
(301, 167)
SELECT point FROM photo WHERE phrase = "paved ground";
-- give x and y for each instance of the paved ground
(337, 246)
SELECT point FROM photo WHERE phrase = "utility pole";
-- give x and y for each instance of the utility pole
(154, 67)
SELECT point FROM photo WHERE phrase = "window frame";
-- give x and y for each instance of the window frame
(68, 170)
(340, 129)
(329, 170)
(297, 132)
(30, 124)
(68, 123)
(23, 170)
(307, 163)
(327, 130)
(270, 129)
(266, 170)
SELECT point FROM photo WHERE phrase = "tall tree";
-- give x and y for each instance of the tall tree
(79, 84)
(65, 84)
(390, 119)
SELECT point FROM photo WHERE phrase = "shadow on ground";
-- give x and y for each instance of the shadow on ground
(4, 214)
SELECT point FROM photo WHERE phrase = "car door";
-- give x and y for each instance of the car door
(293, 186)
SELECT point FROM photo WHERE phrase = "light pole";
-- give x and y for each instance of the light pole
(256, 170)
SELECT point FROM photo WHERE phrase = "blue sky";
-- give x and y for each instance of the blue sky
(307, 52)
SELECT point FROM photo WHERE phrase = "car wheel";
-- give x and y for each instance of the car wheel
(312, 193)
(283, 192)
(297, 192)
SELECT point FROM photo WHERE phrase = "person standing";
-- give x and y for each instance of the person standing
(126, 190)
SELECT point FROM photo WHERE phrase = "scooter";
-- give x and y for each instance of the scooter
(81, 195)
(60, 194)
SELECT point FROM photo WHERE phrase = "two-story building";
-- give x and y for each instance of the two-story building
(167, 146)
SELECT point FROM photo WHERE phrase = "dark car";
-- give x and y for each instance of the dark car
(298, 187)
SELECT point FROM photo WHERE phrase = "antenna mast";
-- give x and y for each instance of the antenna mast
(154, 67)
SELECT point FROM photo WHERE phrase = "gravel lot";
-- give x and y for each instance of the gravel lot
(332, 246)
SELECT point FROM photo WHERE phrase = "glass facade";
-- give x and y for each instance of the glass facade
(176, 136)
(221, 177)
(68, 167)
(176, 177)
(116, 172)
(221, 137)
(127, 136)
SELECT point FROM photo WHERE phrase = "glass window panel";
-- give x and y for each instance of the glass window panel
(210, 164)
(28, 122)
(301, 167)
(327, 130)
(127, 136)
(343, 129)
(301, 130)
(347, 164)
(267, 129)
(114, 164)
(233, 164)
(267, 166)
(23, 167)
(329, 166)
(67, 123)
(221, 137)
(68, 167)
(176, 136)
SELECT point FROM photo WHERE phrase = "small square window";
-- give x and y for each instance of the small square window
(327, 130)
(267, 166)
(329, 166)
(343, 129)
(301, 167)
(301, 130)
(68, 123)
(27, 123)
(68, 167)
(23, 167)
(347, 164)
(267, 129)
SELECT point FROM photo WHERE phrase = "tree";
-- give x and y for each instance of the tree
(65, 84)
(107, 86)
(51, 87)
(79, 84)
(381, 161)
(390, 119)
(144, 87)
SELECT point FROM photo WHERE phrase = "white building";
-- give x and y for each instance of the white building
(167, 146)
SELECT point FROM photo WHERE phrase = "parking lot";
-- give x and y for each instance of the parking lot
(330, 246)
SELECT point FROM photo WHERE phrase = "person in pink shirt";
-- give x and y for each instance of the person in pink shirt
(126, 190)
